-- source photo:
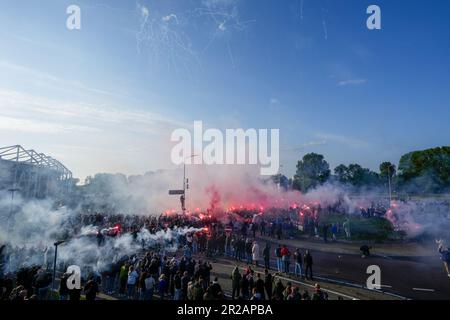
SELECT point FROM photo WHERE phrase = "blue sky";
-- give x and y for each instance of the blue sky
(106, 98)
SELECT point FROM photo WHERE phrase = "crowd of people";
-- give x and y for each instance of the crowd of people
(247, 237)
(182, 275)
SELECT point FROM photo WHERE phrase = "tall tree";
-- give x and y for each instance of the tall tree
(312, 171)
(281, 180)
(342, 174)
(387, 169)
(426, 170)
(362, 177)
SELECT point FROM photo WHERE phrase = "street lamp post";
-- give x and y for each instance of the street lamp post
(56, 244)
(10, 217)
(389, 185)
(185, 183)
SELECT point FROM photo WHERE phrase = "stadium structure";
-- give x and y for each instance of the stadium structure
(32, 174)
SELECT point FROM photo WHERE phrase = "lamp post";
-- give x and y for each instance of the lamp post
(9, 222)
(56, 244)
(185, 186)
(389, 184)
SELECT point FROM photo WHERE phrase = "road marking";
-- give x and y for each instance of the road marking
(327, 290)
(422, 289)
(299, 282)
(386, 286)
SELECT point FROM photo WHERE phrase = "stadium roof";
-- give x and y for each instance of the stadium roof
(18, 154)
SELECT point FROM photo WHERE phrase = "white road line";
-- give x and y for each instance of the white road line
(386, 286)
(311, 286)
(299, 282)
(422, 289)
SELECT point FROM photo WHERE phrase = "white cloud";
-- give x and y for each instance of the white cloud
(170, 17)
(274, 101)
(50, 80)
(87, 137)
(222, 26)
(215, 3)
(37, 126)
(63, 116)
(352, 82)
(348, 141)
(310, 144)
(144, 11)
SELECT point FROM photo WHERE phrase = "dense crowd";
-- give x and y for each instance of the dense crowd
(246, 237)
(183, 275)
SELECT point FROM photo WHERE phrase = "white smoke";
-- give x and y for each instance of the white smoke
(32, 226)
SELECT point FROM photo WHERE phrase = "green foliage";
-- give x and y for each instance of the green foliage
(312, 171)
(377, 229)
(426, 171)
(342, 174)
(373, 229)
(356, 175)
(281, 180)
(387, 169)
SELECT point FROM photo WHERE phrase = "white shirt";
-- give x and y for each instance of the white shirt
(132, 278)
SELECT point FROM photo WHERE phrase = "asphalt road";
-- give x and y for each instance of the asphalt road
(411, 277)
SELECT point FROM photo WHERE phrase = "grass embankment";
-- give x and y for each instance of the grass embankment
(368, 229)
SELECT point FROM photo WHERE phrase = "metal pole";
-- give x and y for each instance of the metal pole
(56, 244)
(184, 188)
(184, 177)
(389, 184)
(54, 268)
(184, 181)
(11, 206)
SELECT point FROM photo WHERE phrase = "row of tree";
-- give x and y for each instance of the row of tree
(419, 172)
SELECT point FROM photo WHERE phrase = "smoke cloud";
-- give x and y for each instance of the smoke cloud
(30, 227)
